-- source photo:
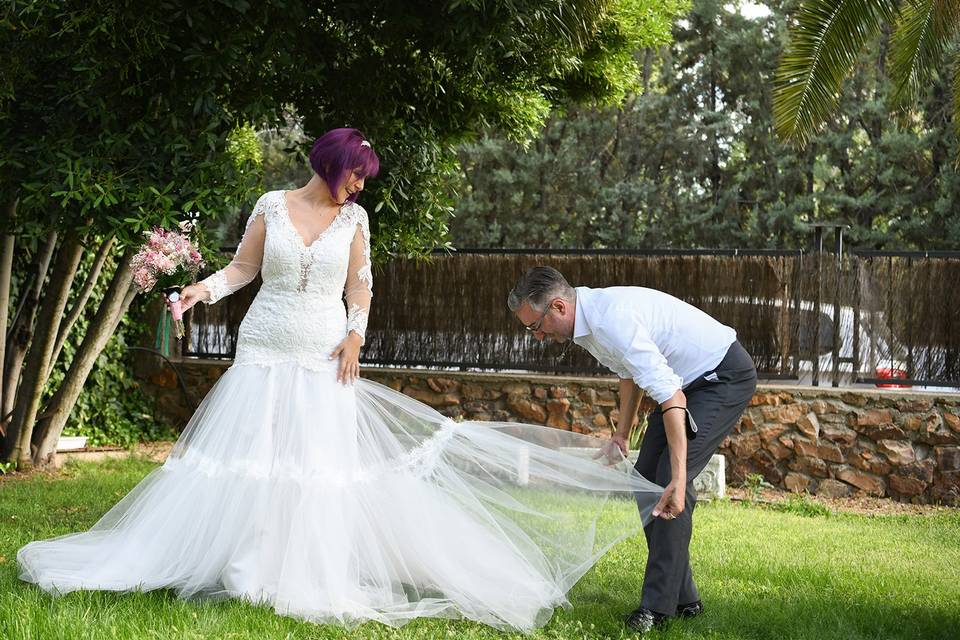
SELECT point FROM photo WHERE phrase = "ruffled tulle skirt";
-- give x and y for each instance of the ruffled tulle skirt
(352, 503)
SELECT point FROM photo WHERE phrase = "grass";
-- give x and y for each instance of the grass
(796, 571)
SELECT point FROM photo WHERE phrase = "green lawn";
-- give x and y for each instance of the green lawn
(763, 574)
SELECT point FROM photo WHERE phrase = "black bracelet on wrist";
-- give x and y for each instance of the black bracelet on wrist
(691, 426)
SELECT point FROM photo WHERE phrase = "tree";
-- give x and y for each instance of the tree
(101, 148)
(685, 162)
(691, 160)
(435, 73)
(118, 116)
(826, 39)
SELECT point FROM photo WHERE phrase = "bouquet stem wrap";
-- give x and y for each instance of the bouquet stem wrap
(168, 261)
(176, 310)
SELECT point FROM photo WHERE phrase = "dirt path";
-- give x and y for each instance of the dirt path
(859, 504)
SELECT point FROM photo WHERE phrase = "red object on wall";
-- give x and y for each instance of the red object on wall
(891, 374)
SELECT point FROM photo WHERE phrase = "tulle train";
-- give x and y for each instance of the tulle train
(352, 503)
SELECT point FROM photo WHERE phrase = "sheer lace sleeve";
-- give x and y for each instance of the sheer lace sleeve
(245, 264)
(358, 289)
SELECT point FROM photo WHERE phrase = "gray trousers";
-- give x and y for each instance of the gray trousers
(716, 403)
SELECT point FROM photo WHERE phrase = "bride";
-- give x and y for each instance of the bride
(300, 486)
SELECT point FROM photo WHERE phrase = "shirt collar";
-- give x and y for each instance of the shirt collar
(580, 326)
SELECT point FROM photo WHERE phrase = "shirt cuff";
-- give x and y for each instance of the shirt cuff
(662, 390)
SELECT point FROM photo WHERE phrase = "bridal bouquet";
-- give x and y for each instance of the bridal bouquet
(167, 260)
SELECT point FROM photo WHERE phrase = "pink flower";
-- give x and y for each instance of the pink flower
(164, 254)
(165, 264)
(144, 280)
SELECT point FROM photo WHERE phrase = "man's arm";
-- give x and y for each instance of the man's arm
(675, 426)
(630, 395)
(642, 359)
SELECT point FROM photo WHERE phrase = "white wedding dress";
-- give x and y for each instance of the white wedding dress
(346, 503)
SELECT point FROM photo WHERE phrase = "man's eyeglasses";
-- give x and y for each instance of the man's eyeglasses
(533, 327)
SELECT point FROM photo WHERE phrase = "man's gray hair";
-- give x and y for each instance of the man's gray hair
(538, 287)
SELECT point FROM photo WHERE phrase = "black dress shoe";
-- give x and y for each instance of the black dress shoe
(691, 610)
(642, 620)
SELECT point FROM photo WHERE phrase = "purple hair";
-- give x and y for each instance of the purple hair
(338, 152)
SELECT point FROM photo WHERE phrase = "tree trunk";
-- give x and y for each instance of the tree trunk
(647, 69)
(67, 324)
(41, 348)
(712, 139)
(115, 303)
(6, 270)
(612, 149)
(21, 333)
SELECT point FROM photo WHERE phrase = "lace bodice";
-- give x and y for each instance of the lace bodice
(298, 314)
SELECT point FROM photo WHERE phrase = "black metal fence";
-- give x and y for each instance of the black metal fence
(818, 318)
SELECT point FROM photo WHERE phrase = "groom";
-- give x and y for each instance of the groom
(699, 375)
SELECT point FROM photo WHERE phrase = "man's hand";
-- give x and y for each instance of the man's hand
(349, 353)
(615, 449)
(671, 503)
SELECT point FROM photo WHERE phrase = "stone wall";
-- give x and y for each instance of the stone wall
(826, 441)
(821, 440)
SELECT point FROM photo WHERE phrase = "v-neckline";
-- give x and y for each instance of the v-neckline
(293, 227)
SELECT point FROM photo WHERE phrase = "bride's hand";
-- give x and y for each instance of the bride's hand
(349, 352)
(192, 294)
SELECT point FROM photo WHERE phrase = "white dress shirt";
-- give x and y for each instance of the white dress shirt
(659, 341)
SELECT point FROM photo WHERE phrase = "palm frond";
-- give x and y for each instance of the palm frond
(574, 21)
(825, 39)
(924, 30)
